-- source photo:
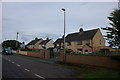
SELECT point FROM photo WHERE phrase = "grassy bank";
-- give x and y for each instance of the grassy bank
(87, 71)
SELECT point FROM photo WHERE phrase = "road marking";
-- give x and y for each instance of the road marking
(39, 76)
(9, 60)
(18, 65)
(26, 69)
(13, 62)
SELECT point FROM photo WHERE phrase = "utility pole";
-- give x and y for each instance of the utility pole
(17, 40)
(5, 43)
(64, 30)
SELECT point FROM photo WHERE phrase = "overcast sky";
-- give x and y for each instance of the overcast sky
(45, 19)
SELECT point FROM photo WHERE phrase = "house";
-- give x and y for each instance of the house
(84, 41)
(58, 44)
(34, 44)
(0, 47)
(22, 45)
(46, 44)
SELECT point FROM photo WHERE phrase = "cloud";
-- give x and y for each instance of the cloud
(28, 37)
(46, 19)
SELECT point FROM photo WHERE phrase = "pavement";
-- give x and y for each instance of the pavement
(18, 66)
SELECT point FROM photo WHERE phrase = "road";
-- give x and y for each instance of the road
(17, 66)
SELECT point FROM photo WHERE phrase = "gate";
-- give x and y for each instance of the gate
(53, 55)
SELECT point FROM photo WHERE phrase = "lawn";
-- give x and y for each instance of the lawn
(101, 73)
(87, 71)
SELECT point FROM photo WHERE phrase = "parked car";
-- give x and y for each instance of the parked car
(13, 51)
(7, 51)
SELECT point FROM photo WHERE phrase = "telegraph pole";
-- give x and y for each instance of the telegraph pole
(64, 30)
(5, 43)
(17, 40)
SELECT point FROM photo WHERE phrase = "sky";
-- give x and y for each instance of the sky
(45, 19)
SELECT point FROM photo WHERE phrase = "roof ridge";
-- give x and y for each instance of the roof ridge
(92, 29)
(85, 31)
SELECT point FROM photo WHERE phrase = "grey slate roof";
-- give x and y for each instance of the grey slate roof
(33, 42)
(85, 35)
(45, 42)
(58, 41)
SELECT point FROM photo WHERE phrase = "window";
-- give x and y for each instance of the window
(79, 49)
(79, 42)
(87, 41)
(43, 46)
(100, 42)
(57, 44)
(69, 43)
(86, 49)
(33, 47)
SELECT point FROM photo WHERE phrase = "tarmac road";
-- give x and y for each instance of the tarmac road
(17, 66)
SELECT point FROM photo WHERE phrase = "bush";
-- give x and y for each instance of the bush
(68, 51)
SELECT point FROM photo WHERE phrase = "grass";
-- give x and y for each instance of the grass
(102, 73)
(87, 71)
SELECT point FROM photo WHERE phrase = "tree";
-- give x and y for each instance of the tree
(113, 31)
(11, 43)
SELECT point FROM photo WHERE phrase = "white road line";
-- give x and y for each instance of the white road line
(18, 65)
(39, 76)
(26, 69)
(13, 62)
(9, 60)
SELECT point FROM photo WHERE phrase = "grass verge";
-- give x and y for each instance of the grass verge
(87, 71)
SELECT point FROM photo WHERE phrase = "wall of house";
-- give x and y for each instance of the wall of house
(36, 46)
(74, 46)
(30, 46)
(88, 48)
(102, 61)
(98, 39)
(50, 44)
(40, 47)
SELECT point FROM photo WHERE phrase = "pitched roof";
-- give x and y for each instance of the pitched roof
(58, 41)
(45, 42)
(85, 35)
(33, 42)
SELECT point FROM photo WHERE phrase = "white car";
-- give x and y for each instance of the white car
(13, 51)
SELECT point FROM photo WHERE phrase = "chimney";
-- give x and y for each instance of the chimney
(47, 38)
(36, 38)
(80, 30)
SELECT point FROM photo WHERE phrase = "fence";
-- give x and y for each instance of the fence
(103, 61)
